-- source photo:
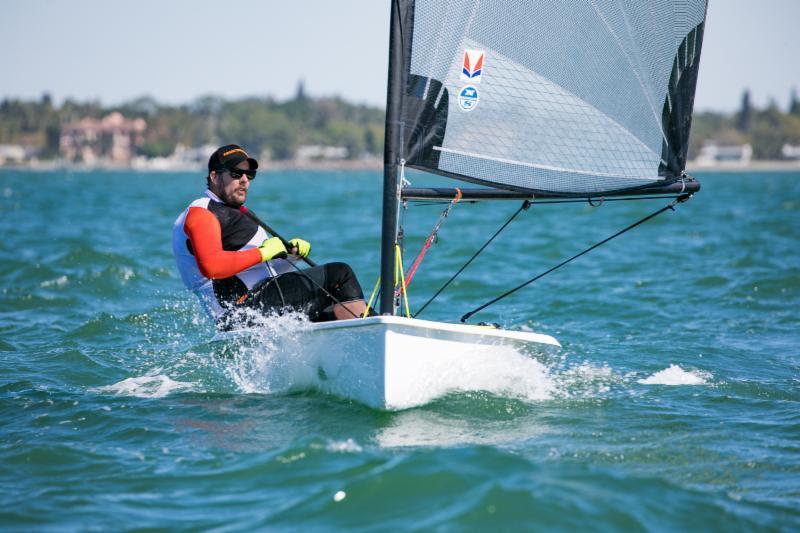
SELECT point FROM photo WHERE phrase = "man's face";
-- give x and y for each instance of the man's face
(231, 191)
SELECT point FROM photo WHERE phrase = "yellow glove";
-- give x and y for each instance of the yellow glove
(303, 247)
(271, 249)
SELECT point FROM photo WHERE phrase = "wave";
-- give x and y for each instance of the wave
(156, 386)
(675, 375)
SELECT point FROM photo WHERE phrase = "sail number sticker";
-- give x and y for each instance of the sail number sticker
(468, 98)
(472, 69)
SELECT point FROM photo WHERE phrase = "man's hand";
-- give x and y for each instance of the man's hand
(300, 247)
(271, 249)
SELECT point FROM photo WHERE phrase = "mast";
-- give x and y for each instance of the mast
(394, 94)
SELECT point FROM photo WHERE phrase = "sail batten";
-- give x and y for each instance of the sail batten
(550, 96)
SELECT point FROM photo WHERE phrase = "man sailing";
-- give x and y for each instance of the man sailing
(229, 262)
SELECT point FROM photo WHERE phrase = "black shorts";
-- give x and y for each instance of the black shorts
(299, 292)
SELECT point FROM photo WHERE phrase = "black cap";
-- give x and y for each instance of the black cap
(228, 157)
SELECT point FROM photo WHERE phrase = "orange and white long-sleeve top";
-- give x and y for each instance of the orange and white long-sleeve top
(216, 249)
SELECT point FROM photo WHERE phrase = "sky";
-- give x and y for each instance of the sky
(178, 50)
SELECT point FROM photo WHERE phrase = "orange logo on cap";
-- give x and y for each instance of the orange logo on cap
(229, 152)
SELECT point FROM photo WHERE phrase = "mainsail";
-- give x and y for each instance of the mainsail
(579, 98)
(550, 98)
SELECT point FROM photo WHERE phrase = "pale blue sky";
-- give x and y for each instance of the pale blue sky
(176, 50)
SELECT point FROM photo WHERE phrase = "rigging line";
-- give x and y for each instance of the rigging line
(399, 273)
(439, 203)
(402, 207)
(524, 207)
(375, 292)
(271, 231)
(426, 202)
(432, 237)
(320, 287)
(581, 200)
(670, 206)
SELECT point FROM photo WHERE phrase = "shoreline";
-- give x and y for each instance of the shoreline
(360, 164)
(764, 165)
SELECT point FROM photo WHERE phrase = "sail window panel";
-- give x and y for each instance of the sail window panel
(556, 133)
(577, 50)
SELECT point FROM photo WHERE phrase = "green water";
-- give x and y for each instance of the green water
(672, 405)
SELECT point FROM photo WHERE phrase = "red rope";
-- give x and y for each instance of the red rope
(430, 239)
(418, 260)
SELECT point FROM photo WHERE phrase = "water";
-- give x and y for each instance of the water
(672, 405)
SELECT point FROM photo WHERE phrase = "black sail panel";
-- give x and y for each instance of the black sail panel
(677, 114)
(425, 108)
(572, 98)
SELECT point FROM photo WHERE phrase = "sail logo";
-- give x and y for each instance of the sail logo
(468, 98)
(472, 69)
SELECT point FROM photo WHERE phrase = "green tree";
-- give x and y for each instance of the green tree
(745, 116)
(343, 133)
(767, 133)
(52, 137)
(260, 124)
(794, 103)
(253, 124)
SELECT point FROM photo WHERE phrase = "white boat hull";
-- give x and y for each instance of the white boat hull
(389, 362)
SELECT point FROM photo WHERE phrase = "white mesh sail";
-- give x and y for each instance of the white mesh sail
(578, 97)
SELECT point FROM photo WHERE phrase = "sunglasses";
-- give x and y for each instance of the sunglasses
(237, 173)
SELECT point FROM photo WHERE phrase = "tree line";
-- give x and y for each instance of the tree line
(263, 125)
(280, 127)
(767, 130)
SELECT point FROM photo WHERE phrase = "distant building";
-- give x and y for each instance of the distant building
(182, 158)
(312, 152)
(714, 154)
(195, 156)
(110, 140)
(12, 154)
(790, 151)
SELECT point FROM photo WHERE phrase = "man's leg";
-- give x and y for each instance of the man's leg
(313, 290)
(342, 283)
(346, 310)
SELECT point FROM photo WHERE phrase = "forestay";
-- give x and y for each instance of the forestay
(575, 98)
